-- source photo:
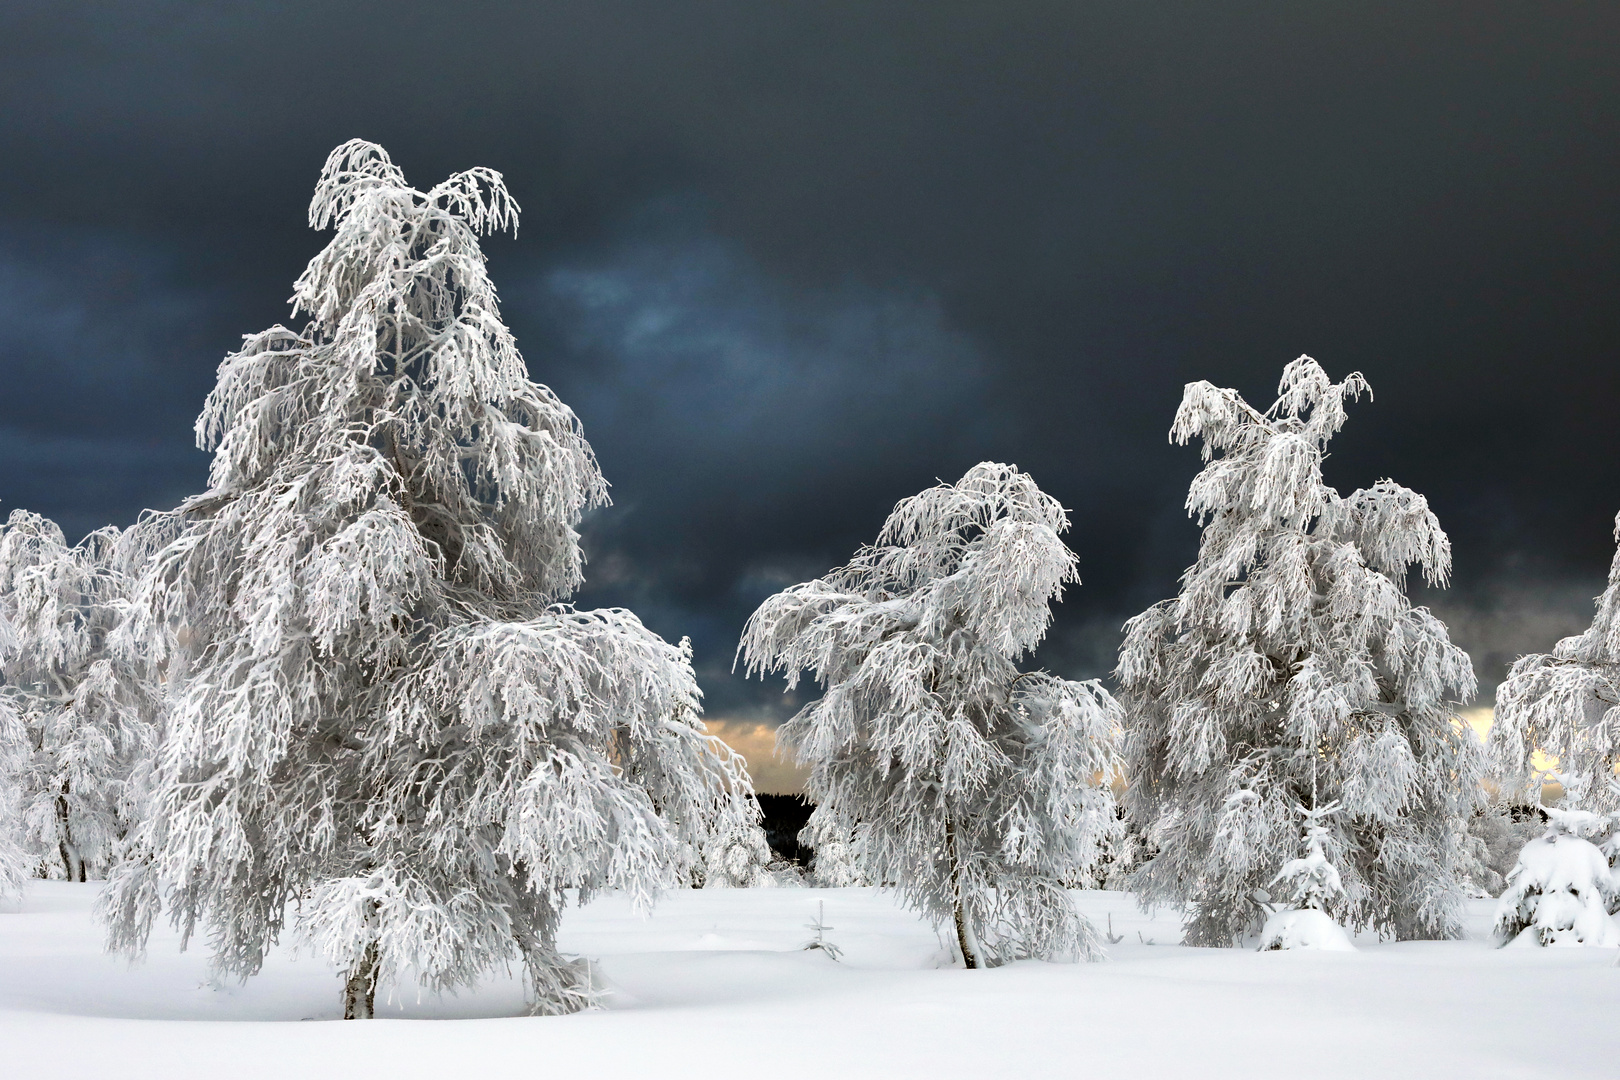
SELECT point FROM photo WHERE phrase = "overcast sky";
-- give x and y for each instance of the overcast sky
(791, 262)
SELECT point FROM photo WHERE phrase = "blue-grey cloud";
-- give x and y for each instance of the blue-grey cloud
(104, 356)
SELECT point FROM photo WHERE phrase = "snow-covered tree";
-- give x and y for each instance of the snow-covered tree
(381, 719)
(1566, 704)
(1313, 887)
(84, 712)
(1293, 670)
(835, 864)
(15, 863)
(1561, 891)
(736, 855)
(973, 789)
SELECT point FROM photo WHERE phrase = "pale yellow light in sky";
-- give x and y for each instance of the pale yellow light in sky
(756, 742)
(1481, 719)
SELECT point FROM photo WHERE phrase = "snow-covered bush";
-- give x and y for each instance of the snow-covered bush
(1566, 703)
(974, 789)
(1313, 888)
(381, 719)
(1561, 891)
(1292, 670)
(83, 711)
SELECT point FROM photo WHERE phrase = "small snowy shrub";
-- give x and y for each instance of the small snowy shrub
(1292, 664)
(1313, 885)
(975, 790)
(1561, 891)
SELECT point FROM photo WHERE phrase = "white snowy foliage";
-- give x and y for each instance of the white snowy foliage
(381, 718)
(1566, 703)
(837, 864)
(1560, 892)
(1290, 670)
(975, 790)
(1314, 888)
(82, 711)
(16, 865)
(737, 856)
(1312, 881)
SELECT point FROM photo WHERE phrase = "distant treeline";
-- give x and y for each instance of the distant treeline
(785, 815)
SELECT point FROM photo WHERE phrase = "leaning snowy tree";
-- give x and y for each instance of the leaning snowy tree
(974, 789)
(1566, 704)
(84, 710)
(382, 722)
(1292, 670)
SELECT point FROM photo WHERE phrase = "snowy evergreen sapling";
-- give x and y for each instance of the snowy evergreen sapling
(1561, 891)
(381, 719)
(1314, 887)
(975, 790)
(1293, 670)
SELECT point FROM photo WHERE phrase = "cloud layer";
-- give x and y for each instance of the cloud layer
(792, 262)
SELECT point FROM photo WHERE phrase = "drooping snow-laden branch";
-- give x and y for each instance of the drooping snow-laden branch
(378, 713)
(1292, 670)
(978, 792)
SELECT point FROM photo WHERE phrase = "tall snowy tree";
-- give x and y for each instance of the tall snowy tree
(974, 789)
(1566, 704)
(379, 710)
(84, 711)
(1292, 670)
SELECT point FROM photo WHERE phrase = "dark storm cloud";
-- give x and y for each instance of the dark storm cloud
(793, 261)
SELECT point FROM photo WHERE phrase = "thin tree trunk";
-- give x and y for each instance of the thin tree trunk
(360, 991)
(72, 865)
(965, 938)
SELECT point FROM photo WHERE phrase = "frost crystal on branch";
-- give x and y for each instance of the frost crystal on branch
(1293, 671)
(975, 790)
(381, 714)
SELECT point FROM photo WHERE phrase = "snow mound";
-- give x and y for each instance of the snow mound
(1304, 928)
(1559, 893)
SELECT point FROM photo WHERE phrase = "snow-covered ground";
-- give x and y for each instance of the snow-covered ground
(715, 984)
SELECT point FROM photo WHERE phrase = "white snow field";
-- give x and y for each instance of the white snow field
(715, 984)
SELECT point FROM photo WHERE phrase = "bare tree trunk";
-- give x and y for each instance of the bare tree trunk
(965, 937)
(360, 991)
(72, 865)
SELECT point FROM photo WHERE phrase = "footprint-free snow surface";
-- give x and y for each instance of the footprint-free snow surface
(716, 984)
